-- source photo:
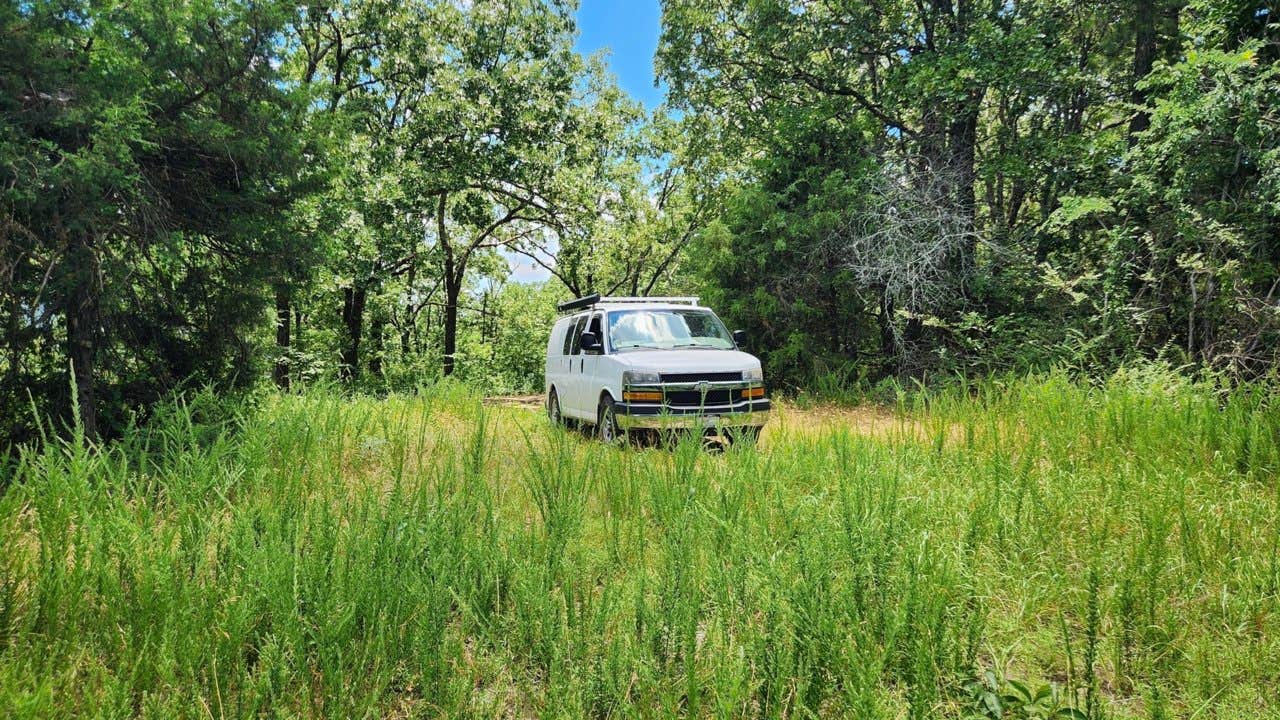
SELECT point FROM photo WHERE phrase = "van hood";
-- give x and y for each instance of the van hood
(674, 361)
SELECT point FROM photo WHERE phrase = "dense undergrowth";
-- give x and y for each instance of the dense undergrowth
(1111, 548)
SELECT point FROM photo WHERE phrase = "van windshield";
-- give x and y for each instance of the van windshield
(667, 329)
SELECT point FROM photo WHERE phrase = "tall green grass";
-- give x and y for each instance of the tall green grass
(429, 556)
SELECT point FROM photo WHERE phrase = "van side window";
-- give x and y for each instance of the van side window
(575, 336)
(596, 327)
(568, 335)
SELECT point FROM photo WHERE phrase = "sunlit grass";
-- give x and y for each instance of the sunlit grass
(431, 556)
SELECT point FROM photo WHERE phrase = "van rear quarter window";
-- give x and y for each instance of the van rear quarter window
(575, 335)
(568, 336)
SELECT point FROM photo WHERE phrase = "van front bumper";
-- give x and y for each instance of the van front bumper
(752, 413)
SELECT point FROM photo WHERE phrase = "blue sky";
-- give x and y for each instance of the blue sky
(628, 31)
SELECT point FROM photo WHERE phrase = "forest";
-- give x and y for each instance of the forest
(276, 286)
(224, 194)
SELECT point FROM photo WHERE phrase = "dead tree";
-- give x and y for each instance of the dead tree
(910, 241)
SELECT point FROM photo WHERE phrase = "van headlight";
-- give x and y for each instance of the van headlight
(755, 374)
(640, 377)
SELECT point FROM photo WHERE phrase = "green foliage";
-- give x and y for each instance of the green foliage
(465, 136)
(190, 192)
(995, 697)
(767, 267)
(315, 555)
(1114, 168)
(504, 349)
(144, 150)
(371, 167)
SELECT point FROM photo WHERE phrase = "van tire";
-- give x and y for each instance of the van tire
(745, 434)
(607, 422)
(554, 413)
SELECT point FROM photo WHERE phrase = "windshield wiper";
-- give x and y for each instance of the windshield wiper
(640, 347)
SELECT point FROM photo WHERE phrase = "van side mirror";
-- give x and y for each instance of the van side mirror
(590, 343)
(739, 337)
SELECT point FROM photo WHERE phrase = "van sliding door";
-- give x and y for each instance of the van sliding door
(588, 386)
(570, 403)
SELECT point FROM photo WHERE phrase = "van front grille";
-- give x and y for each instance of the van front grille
(693, 398)
(700, 377)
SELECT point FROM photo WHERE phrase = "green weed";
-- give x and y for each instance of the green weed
(310, 555)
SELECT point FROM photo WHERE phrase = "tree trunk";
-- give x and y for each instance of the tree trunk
(284, 316)
(452, 289)
(353, 300)
(963, 152)
(454, 272)
(406, 337)
(82, 324)
(376, 331)
(410, 315)
(963, 141)
(888, 342)
(1144, 54)
(909, 349)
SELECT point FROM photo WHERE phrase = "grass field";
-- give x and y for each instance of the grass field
(1111, 548)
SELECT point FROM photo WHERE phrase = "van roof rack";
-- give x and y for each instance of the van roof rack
(582, 302)
(669, 299)
(596, 299)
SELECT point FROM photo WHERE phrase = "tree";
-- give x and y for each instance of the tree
(1039, 121)
(145, 151)
(623, 234)
(330, 52)
(458, 133)
(902, 243)
(500, 136)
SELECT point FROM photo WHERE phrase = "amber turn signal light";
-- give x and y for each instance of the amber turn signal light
(755, 392)
(642, 395)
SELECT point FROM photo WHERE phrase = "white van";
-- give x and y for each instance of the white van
(623, 364)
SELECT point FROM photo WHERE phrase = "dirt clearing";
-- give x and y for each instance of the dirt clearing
(788, 417)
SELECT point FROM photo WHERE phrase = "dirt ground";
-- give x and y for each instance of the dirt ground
(787, 417)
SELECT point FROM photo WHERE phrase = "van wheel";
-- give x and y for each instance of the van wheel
(607, 422)
(553, 409)
(745, 434)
